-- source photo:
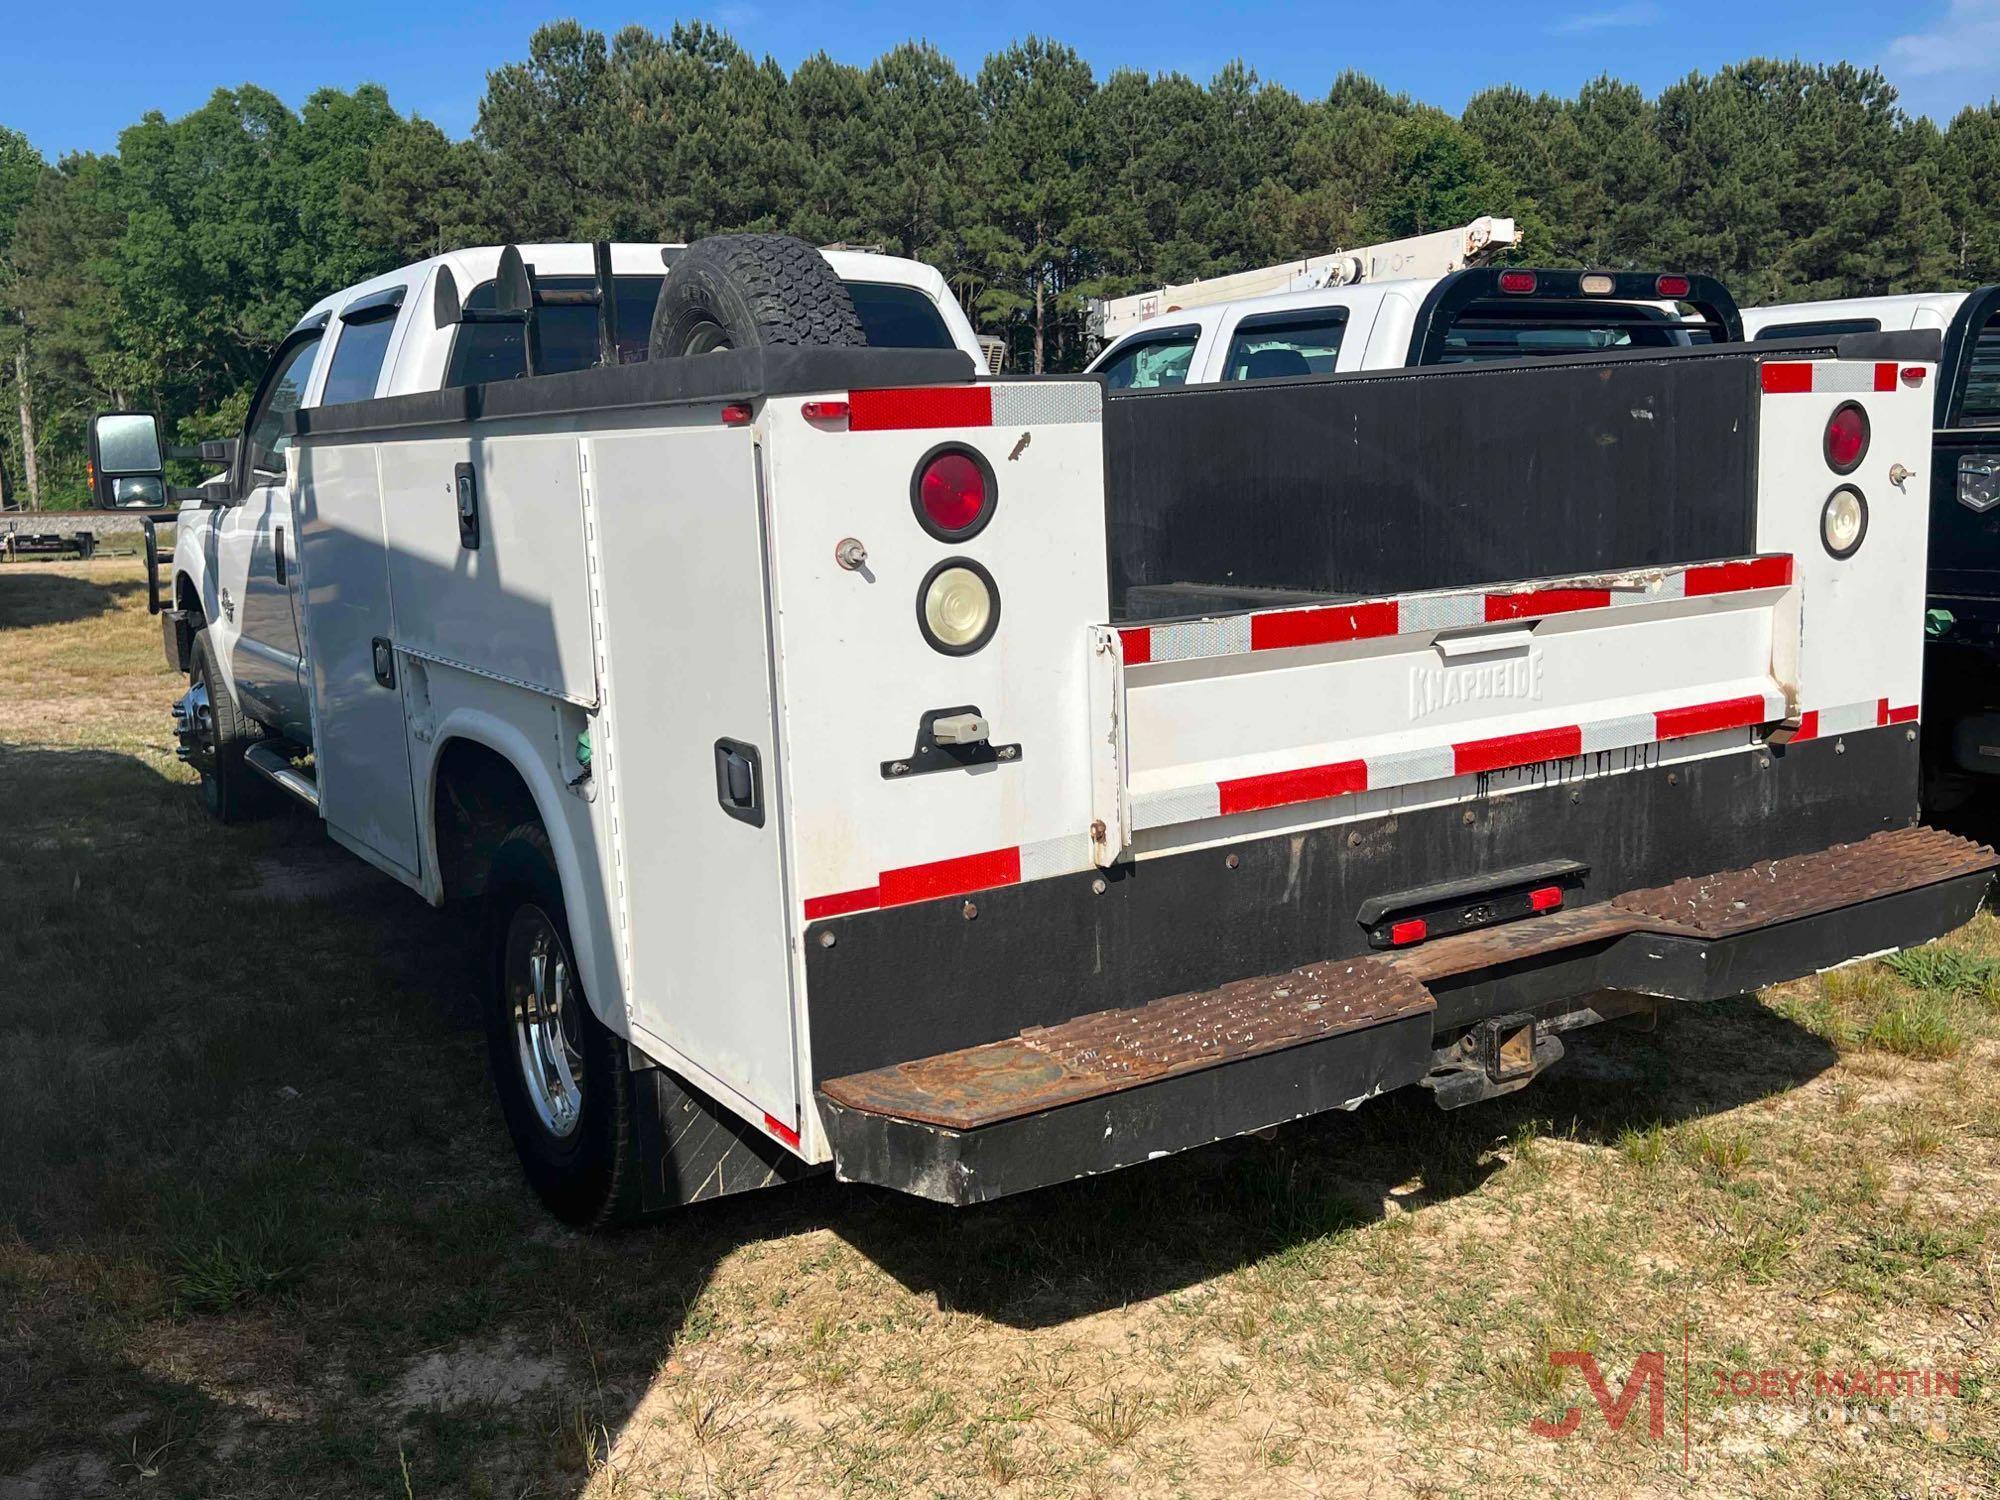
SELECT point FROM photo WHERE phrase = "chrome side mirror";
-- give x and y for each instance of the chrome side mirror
(127, 465)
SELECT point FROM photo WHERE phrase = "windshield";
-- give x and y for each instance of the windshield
(1149, 360)
(1526, 329)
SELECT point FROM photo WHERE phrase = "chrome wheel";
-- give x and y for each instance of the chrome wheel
(543, 1004)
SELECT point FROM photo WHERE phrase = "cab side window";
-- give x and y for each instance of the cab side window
(1151, 360)
(1274, 345)
(360, 351)
(267, 437)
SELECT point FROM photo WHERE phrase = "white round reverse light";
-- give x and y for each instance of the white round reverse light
(958, 607)
(1843, 521)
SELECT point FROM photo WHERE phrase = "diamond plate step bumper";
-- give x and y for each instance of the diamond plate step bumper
(1117, 1087)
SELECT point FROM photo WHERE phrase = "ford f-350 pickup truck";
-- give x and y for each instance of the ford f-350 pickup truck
(970, 784)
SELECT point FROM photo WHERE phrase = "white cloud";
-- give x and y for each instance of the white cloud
(1948, 65)
(1638, 13)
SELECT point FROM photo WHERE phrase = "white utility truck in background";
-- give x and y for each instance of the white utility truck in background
(1428, 300)
(971, 784)
(1962, 622)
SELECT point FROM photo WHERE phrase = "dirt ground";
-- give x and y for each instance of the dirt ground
(261, 1233)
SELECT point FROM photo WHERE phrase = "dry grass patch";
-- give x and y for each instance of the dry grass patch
(261, 1236)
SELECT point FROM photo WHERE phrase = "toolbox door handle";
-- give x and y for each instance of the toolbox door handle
(739, 781)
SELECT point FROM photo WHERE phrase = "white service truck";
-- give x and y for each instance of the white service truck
(1962, 485)
(1428, 300)
(972, 784)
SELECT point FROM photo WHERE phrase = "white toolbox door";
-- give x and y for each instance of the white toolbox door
(685, 620)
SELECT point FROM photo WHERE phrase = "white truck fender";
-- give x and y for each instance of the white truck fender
(565, 817)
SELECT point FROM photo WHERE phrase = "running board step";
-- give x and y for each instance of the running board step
(273, 767)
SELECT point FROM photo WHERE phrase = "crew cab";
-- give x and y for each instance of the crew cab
(1962, 490)
(967, 784)
(430, 327)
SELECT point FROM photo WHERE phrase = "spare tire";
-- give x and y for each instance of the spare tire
(748, 291)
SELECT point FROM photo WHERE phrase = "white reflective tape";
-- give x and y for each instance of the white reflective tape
(1619, 733)
(1843, 377)
(1439, 611)
(1039, 403)
(1408, 767)
(1195, 639)
(1059, 856)
(1848, 718)
(1181, 804)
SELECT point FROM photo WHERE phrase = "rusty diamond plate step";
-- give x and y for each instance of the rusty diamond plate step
(1048, 1066)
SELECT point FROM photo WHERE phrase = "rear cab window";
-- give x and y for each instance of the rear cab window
(1520, 328)
(1147, 361)
(899, 317)
(1271, 346)
(1822, 328)
(1981, 404)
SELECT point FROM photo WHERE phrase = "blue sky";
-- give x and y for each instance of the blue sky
(72, 75)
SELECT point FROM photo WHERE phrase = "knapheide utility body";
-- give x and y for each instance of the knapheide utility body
(977, 784)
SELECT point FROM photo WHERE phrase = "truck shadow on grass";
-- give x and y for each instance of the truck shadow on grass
(260, 1220)
(31, 594)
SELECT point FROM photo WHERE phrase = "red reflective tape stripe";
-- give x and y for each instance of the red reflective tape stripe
(1316, 627)
(1789, 379)
(1730, 578)
(1887, 715)
(951, 877)
(1544, 602)
(1281, 788)
(782, 1131)
(1506, 750)
(922, 406)
(841, 903)
(1138, 646)
(1808, 725)
(1700, 718)
(1885, 377)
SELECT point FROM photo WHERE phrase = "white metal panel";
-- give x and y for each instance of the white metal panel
(360, 752)
(516, 606)
(1860, 639)
(857, 674)
(683, 600)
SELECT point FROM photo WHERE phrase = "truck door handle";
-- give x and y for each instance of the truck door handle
(739, 781)
(466, 488)
(278, 550)
(385, 661)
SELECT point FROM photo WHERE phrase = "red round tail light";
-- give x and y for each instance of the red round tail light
(1846, 438)
(1517, 281)
(1672, 286)
(952, 493)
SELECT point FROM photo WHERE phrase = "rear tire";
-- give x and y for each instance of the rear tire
(230, 790)
(750, 291)
(564, 1084)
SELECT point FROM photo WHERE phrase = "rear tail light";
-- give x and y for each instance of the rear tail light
(1913, 375)
(1846, 442)
(736, 414)
(1545, 898)
(958, 606)
(1409, 930)
(825, 411)
(1517, 282)
(953, 493)
(1597, 284)
(1673, 286)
